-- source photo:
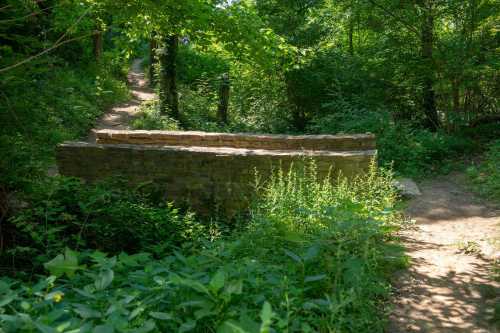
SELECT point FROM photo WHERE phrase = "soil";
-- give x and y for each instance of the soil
(449, 286)
(120, 116)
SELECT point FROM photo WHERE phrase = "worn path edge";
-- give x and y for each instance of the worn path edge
(449, 286)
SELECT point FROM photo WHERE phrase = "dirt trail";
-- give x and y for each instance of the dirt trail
(119, 116)
(449, 287)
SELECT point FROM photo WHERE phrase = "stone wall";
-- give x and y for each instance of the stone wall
(205, 177)
(248, 141)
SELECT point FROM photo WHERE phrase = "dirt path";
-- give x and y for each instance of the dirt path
(119, 116)
(449, 287)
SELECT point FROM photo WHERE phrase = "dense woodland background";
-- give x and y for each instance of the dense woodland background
(423, 75)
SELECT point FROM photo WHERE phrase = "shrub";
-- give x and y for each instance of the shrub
(314, 260)
(107, 216)
(410, 150)
(45, 108)
(485, 177)
(149, 118)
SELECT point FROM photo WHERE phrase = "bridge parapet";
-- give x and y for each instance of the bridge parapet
(205, 170)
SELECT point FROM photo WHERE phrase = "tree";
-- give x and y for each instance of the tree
(169, 98)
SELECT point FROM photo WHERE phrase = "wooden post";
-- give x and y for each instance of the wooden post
(98, 44)
(222, 111)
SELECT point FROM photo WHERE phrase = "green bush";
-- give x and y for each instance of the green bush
(315, 257)
(45, 108)
(149, 118)
(109, 217)
(485, 177)
(410, 150)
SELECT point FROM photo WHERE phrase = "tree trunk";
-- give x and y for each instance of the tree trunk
(223, 109)
(298, 114)
(429, 95)
(98, 45)
(153, 45)
(169, 99)
(455, 91)
(351, 32)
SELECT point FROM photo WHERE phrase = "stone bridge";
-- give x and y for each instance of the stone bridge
(209, 170)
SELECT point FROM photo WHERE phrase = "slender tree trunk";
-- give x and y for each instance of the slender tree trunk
(455, 91)
(153, 45)
(351, 32)
(222, 111)
(429, 95)
(169, 99)
(298, 114)
(98, 44)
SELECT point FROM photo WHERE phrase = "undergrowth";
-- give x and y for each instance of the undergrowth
(107, 216)
(314, 257)
(485, 177)
(44, 108)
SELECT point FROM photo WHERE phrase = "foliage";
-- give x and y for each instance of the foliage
(49, 107)
(150, 118)
(485, 177)
(316, 260)
(109, 217)
(410, 150)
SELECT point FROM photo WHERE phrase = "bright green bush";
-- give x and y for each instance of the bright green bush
(315, 258)
(485, 177)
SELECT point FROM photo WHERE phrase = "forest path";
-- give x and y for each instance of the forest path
(119, 116)
(449, 287)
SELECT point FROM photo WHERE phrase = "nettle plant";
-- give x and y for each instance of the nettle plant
(130, 293)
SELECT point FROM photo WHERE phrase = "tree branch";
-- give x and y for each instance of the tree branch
(27, 16)
(43, 52)
(58, 43)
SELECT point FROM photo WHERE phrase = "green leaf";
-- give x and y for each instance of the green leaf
(86, 312)
(136, 312)
(7, 299)
(161, 315)
(176, 279)
(44, 328)
(187, 326)
(293, 256)
(266, 315)
(217, 281)
(313, 278)
(312, 252)
(148, 326)
(64, 264)
(106, 328)
(231, 326)
(234, 287)
(104, 279)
